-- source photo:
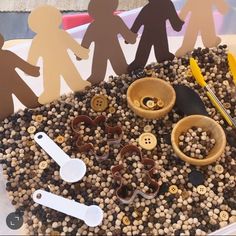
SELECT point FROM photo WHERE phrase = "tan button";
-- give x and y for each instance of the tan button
(227, 105)
(219, 169)
(137, 103)
(99, 103)
(150, 104)
(201, 189)
(189, 74)
(147, 129)
(224, 215)
(55, 233)
(173, 189)
(31, 130)
(160, 103)
(112, 110)
(60, 139)
(43, 165)
(147, 141)
(39, 118)
(126, 220)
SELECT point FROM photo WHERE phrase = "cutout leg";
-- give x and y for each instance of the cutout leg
(6, 105)
(99, 68)
(119, 63)
(190, 39)
(24, 93)
(209, 37)
(74, 80)
(161, 49)
(52, 86)
(142, 54)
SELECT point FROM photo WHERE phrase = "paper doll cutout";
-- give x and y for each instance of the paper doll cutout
(52, 44)
(201, 21)
(103, 31)
(11, 83)
(153, 18)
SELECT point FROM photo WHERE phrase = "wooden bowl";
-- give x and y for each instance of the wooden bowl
(151, 87)
(207, 124)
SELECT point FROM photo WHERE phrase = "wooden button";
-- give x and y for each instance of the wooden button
(227, 105)
(189, 74)
(160, 103)
(126, 220)
(147, 141)
(31, 130)
(39, 118)
(29, 143)
(99, 103)
(112, 110)
(147, 129)
(219, 169)
(60, 139)
(224, 215)
(173, 189)
(137, 103)
(43, 165)
(201, 189)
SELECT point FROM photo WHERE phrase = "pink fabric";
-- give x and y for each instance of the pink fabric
(71, 21)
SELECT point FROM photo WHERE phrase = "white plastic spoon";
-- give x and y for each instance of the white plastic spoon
(71, 170)
(91, 215)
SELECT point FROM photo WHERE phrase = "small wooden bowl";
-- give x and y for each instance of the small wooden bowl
(206, 124)
(151, 87)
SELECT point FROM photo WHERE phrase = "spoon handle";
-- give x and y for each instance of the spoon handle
(92, 215)
(52, 149)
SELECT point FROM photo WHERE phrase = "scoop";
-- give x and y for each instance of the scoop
(92, 215)
(188, 101)
(71, 170)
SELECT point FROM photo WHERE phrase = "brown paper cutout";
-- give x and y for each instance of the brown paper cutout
(52, 44)
(153, 17)
(201, 21)
(11, 83)
(103, 32)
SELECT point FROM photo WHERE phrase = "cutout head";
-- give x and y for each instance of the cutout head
(1, 41)
(98, 9)
(45, 18)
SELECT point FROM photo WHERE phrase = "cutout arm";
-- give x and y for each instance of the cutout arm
(222, 6)
(137, 23)
(25, 66)
(88, 37)
(125, 32)
(77, 49)
(185, 10)
(33, 55)
(174, 19)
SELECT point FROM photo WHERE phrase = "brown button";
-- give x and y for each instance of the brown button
(99, 103)
(227, 105)
(31, 130)
(147, 141)
(55, 233)
(201, 189)
(185, 194)
(60, 139)
(126, 220)
(219, 169)
(173, 189)
(137, 103)
(147, 129)
(39, 118)
(112, 110)
(43, 165)
(224, 215)
(29, 143)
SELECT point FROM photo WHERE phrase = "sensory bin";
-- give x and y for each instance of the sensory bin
(191, 200)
